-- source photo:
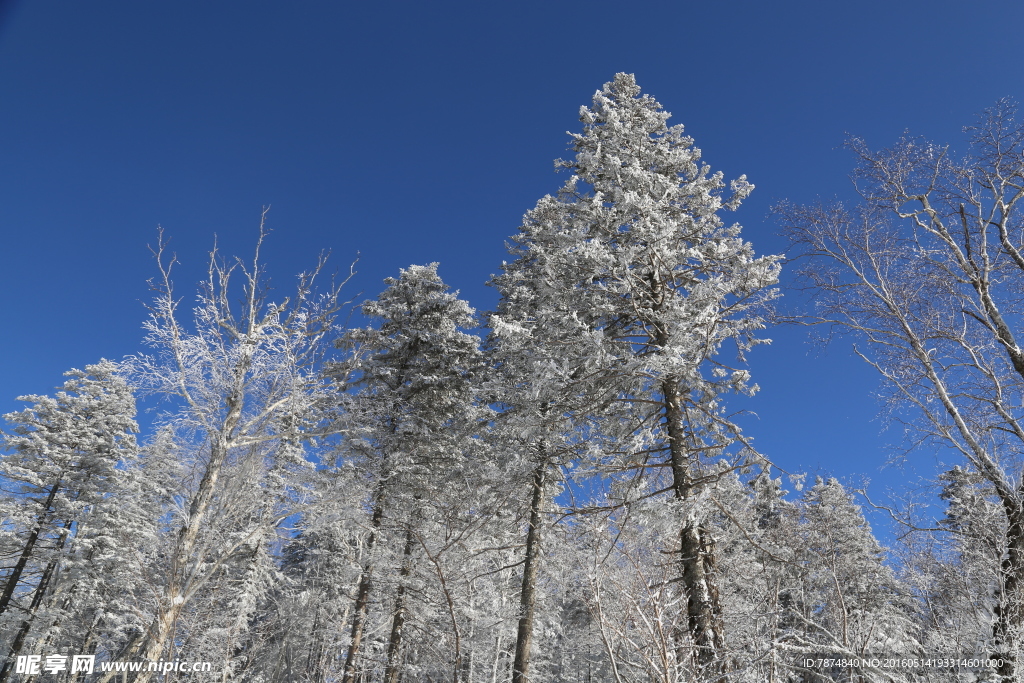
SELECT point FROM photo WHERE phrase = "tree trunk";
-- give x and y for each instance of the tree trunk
(702, 604)
(26, 624)
(136, 643)
(527, 596)
(363, 594)
(696, 551)
(1006, 631)
(392, 669)
(174, 602)
(26, 554)
(316, 670)
(158, 634)
(37, 600)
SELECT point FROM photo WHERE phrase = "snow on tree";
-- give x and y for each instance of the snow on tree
(953, 566)
(573, 503)
(307, 623)
(846, 599)
(630, 282)
(928, 271)
(246, 391)
(68, 464)
(411, 425)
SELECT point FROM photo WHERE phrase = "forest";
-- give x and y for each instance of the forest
(558, 490)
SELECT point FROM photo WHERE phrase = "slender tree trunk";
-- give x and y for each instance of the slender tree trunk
(26, 624)
(392, 668)
(171, 606)
(133, 646)
(1006, 631)
(315, 665)
(363, 593)
(37, 600)
(499, 652)
(471, 657)
(88, 645)
(528, 594)
(26, 554)
(696, 552)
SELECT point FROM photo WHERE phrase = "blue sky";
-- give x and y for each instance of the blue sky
(418, 132)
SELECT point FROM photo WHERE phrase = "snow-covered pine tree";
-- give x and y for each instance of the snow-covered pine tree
(771, 521)
(67, 462)
(954, 567)
(845, 600)
(632, 275)
(309, 618)
(305, 618)
(538, 361)
(411, 426)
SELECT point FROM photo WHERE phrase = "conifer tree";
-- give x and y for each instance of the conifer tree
(411, 425)
(68, 461)
(632, 280)
(845, 599)
(953, 567)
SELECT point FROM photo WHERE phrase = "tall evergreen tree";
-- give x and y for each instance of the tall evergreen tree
(411, 425)
(849, 598)
(67, 463)
(632, 279)
(954, 567)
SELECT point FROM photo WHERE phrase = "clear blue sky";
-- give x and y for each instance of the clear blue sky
(414, 132)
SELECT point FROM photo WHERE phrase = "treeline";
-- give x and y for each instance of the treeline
(555, 490)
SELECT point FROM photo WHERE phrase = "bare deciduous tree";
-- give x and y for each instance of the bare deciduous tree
(928, 270)
(246, 387)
